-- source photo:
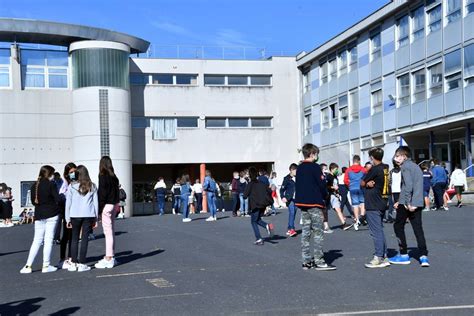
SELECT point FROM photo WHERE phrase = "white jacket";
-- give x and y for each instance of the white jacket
(458, 178)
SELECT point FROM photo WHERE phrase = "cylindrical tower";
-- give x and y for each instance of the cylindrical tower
(101, 108)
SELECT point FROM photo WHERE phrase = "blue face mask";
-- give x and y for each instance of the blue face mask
(72, 176)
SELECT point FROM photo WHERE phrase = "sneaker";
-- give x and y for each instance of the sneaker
(270, 229)
(215, 218)
(186, 220)
(434, 209)
(82, 267)
(356, 225)
(288, 233)
(210, 219)
(64, 265)
(400, 259)
(26, 270)
(328, 231)
(346, 226)
(72, 267)
(459, 204)
(104, 263)
(363, 221)
(308, 265)
(424, 261)
(377, 262)
(293, 233)
(57, 242)
(223, 210)
(426, 209)
(173, 211)
(120, 216)
(324, 267)
(445, 208)
(48, 269)
(247, 215)
(258, 242)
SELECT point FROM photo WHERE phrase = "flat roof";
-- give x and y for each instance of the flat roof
(63, 34)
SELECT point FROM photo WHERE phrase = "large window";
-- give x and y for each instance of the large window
(139, 79)
(343, 110)
(419, 85)
(164, 79)
(452, 70)
(214, 80)
(333, 69)
(404, 90)
(235, 80)
(453, 10)
(324, 72)
(44, 69)
(418, 23)
(469, 6)
(325, 118)
(307, 124)
(403, 31)
(376, 98)
(163, 128)
(434, 19)
(352, 56)
(184, 79)
(239, 122)
(436, 79)
(187, 122)
(469, 63)
(260, 80)
(4, 67)
(354, 104)
(375, 45)
(342, 62)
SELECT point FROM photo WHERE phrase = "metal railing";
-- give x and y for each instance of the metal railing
(469, 167)
(426, 160)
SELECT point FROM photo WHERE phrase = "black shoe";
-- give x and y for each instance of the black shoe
(324, 267)
(308, 265)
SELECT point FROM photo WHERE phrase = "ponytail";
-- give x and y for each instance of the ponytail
(46, 172)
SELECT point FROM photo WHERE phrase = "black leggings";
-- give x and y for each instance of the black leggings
(84, 223)
(65, 241)
(416, 224)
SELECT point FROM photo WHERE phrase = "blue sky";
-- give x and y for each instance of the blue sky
(287, 26)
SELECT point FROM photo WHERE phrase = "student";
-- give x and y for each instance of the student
(263, 177)
(376, 193)
(274, 181)
(82, 212)
(176, 190)
(108, 203)
(426, 186)
(344, 193)
(122, 203)
(287, 193)
(395, 184)
(273, 189)
(438, 182)
(334, 197)
(259, 196)
(197, 192)
(409, 207)
(160, 190)
(244, 203)
(235, 193)
(44, 195)
(6, 208)
(368, 165)
(311, 191)
(210, 187)
(185, 195)
(352, 179)
(219, 197)
(327, 201)
(459, 183)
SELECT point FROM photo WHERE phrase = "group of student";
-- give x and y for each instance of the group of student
(77, 207)
(6, 209)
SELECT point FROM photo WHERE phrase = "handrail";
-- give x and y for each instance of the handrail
(472, 165)
(423, 161)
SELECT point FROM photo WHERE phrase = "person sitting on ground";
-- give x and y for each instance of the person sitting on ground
(458, 182)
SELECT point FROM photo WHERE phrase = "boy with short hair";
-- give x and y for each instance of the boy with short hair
(335, 199)
(410, 207)
(287, 193)
(310, 194)
(352, 178)
(376, 194)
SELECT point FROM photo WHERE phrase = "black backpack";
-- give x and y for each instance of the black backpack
(122, 195)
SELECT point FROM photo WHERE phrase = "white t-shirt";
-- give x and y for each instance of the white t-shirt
(396, 182)
(197, 188)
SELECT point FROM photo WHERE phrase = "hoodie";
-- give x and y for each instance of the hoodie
(353, 176)
(160, 188)
(458, 179)
(78, 205)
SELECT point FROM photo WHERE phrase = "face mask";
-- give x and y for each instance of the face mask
(336, 172)
(316, 159)
(72, 176)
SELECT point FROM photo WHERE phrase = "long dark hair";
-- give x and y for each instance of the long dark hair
(105, 167)
(46, 172)
(253, 174)
(185, 179)
(85, 182)
(67, 169)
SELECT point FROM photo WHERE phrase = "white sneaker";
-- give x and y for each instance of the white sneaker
(48, 269)
(356, 225)
(223, 210)
(105, 264)
(120, 216)
(26, 270)
(210, 219)
(64, 265)
(9, 225)
(215, 218)
(82, 267)
(72, 267)
(2, 225)
(173, 211)
(186, 220)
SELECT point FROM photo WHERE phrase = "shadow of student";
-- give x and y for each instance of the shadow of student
(123, 259)
(272, 240)
(22, 307)
(332, 255)
(11, 253)
(66, 311)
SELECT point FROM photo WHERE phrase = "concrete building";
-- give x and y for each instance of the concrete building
(84, 97)
(402, 75)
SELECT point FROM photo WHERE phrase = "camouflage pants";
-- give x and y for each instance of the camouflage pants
(312, 224)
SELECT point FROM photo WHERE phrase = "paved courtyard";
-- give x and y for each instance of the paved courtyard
(201, 268)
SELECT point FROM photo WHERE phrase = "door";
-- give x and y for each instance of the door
(441, 152)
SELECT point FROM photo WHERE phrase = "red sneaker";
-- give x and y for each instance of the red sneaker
(288, 233)
(293, 233)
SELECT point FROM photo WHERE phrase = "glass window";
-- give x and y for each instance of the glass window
(354, 104)
(4, 76)
(189, 122)
(376, 101)
(453, 11)
(452, 62)
(261, 80)
(57, 77)
(470, 81)
(215, 122)
(57, 58)
(261, 122)
(238, 122)
(325, 121)
(469, 61)
(139, 79)
(140, 122)
(307, 124)
(418, 23)
(353, 56)
(419, 82)
(163, 128)
(436, 79)
(237, 80)
(375, 42)
(342, 62)
(453, 82)
(469, 6)
(306, 81)
(404, 90)
(324, 72)
(4, 57)
(214, 80)
(333, 113)
(33, 77)
(162, 79)
(333, 69)
(434, 19)
(186, 79)
(33, 57)
(403, 31)
(343, 115)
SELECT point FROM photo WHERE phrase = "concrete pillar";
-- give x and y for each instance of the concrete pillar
(432, 141)
(202, 175)
(470, 171)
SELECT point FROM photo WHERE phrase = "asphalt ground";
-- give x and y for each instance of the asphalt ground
(172, 268)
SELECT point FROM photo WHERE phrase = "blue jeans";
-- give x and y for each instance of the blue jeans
(291, 215)
(185, 205)
(256, 220)
(244, 204)
(374, 219)
(211, 203)
(160, 198)
(176, 203)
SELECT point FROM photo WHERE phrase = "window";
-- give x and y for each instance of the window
(183, 79)
(404, 90)
(333, 114)
(140, 122)
(403, 31)
(239, 122)
(342, 62)
(162, 79)
(434, 19)
(57, 77)
(453, 82)
(469, 61)
(325, 121)
(436, 79)
(353, 56)
(419, 88)
(324, 72)
(469, 6)
(306, 81)
(44, 69)
(139, 79)
(215, 122)
(375, 46)
(343, 110)
(33, 77)
(376, 99)
(163, 128)
(307, 124)
(217, 80)
(261, 122)
(418, 23)
(4, 67)
(261, 80)
(333, 69)
(452, 62)
(453, 10)
(377, 141)
(354, 104)
(187, 122)
(237, 80)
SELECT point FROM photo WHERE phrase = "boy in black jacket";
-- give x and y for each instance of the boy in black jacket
(310, 195)
(287, 193)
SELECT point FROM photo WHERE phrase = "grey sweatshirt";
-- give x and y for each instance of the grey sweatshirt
(412, 184)
(78, 205)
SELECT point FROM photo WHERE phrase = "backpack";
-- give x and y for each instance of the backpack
(386, 185)
(122, 195)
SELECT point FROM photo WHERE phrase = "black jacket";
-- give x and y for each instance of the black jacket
(259, 195)
(287, 189)
(108, 191)
(48, 199)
